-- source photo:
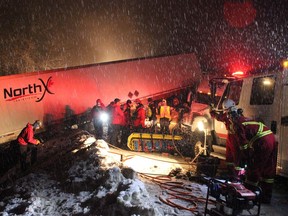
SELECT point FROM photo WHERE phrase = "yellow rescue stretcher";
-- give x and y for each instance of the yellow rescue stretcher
(152, 142)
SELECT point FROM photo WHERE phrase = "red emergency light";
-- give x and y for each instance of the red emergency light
(238, 74)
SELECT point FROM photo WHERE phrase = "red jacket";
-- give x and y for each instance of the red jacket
(250, 133)
(117, 115)
(27, 136)
(258, 148)
(140, 116)
(223, 118)
(232, 148)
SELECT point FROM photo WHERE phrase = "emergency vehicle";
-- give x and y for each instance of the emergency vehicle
(263, 95)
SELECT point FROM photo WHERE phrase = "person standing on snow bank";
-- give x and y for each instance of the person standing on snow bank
(27, 143)
(97, 111)
(126, 129)
(117, 123)
(139, 117)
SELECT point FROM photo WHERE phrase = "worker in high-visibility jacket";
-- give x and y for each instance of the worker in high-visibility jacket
(165, 117)
(258, 149)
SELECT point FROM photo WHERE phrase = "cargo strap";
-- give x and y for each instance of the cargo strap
(260, 133)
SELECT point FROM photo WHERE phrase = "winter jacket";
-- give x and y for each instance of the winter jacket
(259, 150)
(139, 116)
(232, 149)
(27, 136)
(117, 115)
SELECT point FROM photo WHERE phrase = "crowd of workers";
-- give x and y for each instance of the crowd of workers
(122, 120)
(134, 116)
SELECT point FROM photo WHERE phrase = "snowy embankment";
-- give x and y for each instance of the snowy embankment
(76, 175)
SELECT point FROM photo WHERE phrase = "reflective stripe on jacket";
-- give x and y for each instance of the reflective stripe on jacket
(260, 133)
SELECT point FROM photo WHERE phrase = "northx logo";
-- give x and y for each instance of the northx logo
(32, 90)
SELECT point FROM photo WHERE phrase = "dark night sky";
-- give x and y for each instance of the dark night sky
(225, 35)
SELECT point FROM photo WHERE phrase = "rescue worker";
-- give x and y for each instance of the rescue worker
(151, 114)
(97, 111)
(139, 117)
(179, 110)
(258, 148)
(127, 113)
(28, 143)
(117, 123)
(232, 149)
(126, 130)
(165, 117)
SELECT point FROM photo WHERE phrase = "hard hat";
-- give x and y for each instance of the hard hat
(228, 104)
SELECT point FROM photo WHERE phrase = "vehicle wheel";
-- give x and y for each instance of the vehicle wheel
(198, 139)
(187, 145)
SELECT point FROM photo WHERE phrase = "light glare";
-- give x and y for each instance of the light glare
(104, 117)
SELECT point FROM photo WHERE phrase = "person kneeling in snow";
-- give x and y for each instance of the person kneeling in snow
(27, 142)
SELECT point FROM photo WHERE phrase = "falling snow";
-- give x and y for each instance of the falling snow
(40, 35)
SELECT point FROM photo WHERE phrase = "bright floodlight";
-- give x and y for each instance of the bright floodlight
(200, 126)
(267, 82)
(104, 117)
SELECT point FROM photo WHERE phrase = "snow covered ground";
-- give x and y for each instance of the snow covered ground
(77, 175)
